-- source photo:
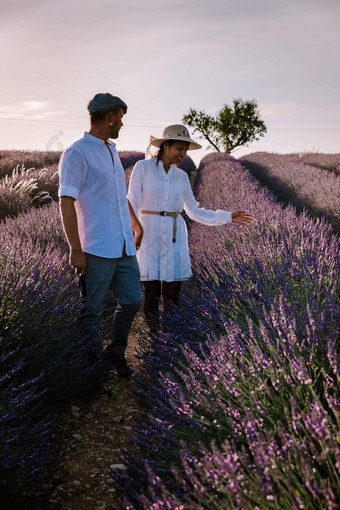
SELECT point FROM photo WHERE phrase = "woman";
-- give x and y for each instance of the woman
(158, 192)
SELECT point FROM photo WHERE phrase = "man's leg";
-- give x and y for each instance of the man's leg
(94, 287)
(126, 288)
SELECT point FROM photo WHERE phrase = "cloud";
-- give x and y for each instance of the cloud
(33, 106)
(33, 110)
(279, 110)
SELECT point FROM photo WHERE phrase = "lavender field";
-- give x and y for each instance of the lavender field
(330, 162)
(44, 362)
(309, 181)
(241, 390)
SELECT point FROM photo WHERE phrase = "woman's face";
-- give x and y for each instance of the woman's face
(176, 152)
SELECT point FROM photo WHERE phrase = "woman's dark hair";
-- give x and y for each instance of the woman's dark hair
(160, 153)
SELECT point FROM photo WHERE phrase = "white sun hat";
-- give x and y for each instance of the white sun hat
(176, 132)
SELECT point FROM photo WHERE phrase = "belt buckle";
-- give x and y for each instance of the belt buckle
(163, 213)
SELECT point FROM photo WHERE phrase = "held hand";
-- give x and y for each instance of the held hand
(242, 217)
(78, 261)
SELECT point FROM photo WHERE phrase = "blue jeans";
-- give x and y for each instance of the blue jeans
(122, 277)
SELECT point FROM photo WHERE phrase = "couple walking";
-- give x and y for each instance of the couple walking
(117, 240)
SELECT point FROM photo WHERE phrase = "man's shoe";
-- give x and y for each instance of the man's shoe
(111, 359)
(120, 365)
(125, 371)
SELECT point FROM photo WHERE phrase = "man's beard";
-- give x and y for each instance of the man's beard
(114, 132)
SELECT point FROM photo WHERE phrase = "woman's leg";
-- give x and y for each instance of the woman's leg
(152, 295)
(170, 294)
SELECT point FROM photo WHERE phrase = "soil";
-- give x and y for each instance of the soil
(94, 434)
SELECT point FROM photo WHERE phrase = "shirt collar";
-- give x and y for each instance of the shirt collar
(91, 138)
(161, 166)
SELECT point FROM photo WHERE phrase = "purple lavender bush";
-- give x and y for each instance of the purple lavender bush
(46, 363)
(303, 185)
(11, 159)
(209, 158)
(28, 453)
(330, 162)
(213, 157)
(241, 390)
(187, 165)
(40, 299)
(130, 158)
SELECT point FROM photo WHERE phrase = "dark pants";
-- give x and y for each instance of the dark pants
(153, 291)
(121, 276)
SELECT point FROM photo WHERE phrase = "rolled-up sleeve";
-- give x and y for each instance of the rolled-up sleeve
(72, 173)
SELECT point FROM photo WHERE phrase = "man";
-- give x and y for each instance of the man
(101, 228)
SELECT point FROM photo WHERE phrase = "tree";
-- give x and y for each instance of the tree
(231, 128)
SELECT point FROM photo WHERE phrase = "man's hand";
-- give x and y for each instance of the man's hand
(69, 218)
(78, 261)
(242, 217)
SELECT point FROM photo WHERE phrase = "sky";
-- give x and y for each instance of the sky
(163, 57)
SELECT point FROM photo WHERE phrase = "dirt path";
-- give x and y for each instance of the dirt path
(94, 434)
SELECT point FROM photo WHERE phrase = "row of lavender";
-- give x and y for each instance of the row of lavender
(9, 160)
(309, 181)
(34, 182)
(242, 395)
(330, 162)
(44, 361)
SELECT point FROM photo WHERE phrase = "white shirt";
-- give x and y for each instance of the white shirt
(151, 188)
(97, 183)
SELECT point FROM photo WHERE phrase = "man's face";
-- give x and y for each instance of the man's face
(116, 121)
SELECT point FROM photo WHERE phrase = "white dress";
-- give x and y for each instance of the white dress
(152, 189)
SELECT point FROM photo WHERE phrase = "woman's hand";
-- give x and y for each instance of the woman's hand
(242, 217)
(138, 235)
(137, 227)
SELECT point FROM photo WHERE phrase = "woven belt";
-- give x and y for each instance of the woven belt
(165, 213)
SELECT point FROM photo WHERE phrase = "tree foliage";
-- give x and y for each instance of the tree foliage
(231, 128)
